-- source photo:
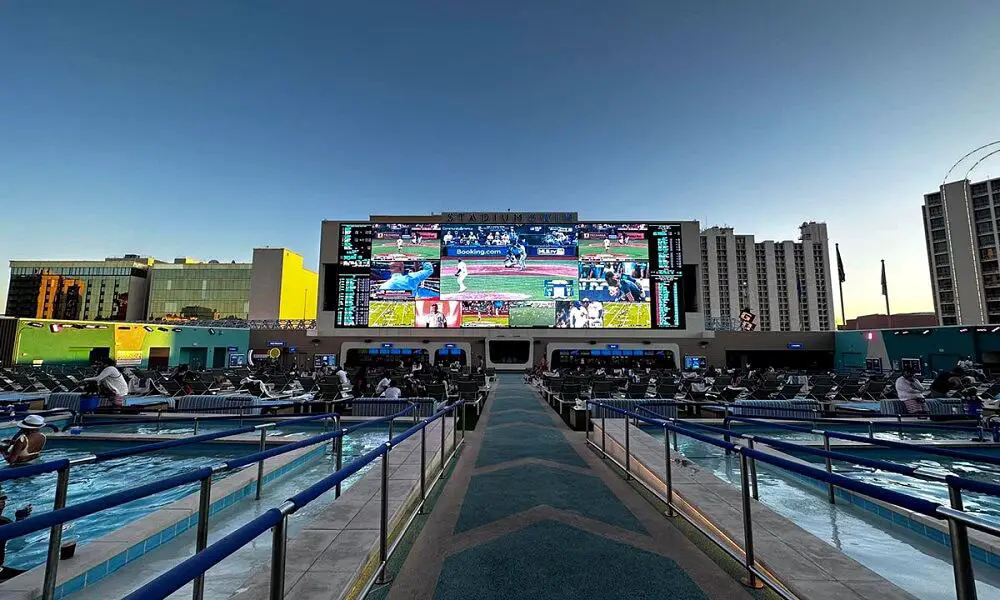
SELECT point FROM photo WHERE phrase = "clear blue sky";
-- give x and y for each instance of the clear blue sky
(193, 128)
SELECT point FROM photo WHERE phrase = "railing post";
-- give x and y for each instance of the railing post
(830, 494)
(159, 414)
(667, 474)
(628, 454)
(55, 537)
(604, 433)
(871, 430)
(751, 580)
(465, 418)
(676, 446)
(899, 425)
(383, 522)
(392, 427)
(201, 535)
(442, 421)
(961, 559)
(752, 463)
(423, 467)
(279, 543)
(586, 424)
(260, 463)
(454, 429)
(725, 423)
(196, 425)
(338, 444)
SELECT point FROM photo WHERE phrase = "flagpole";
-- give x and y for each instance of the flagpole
(885, 292)
(840, 284)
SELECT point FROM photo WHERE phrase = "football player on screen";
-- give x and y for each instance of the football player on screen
(624, 288)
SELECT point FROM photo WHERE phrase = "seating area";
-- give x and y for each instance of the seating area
(240, 391)
(771, 393)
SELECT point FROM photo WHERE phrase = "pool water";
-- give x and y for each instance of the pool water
(883, 432)
(92, 481)
(982, 504)
(913, 563)
(187, 427)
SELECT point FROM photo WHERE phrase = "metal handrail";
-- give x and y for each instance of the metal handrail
(958, 520)
(276, 518)
(983, 458)
(61, 514)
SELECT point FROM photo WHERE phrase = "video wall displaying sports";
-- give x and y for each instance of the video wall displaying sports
(585, 275)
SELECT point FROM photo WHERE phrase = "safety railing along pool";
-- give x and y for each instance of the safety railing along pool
(61, 514)
(276, 519)
(958, 520)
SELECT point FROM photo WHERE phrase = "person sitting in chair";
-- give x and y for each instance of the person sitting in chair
(111, 385)
(911, 392)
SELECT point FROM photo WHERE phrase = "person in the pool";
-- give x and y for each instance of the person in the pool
(27, 444)
(17, 543)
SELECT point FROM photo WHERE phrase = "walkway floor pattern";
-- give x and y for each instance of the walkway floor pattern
(531, 513)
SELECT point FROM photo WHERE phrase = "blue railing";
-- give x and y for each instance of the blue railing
(958, 520)
(925, 449)
(61, 514)
(275, 519)
(55, 465)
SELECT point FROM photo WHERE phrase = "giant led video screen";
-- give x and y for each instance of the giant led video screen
(581, 275)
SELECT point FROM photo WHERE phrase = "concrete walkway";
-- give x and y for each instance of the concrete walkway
(531, 513)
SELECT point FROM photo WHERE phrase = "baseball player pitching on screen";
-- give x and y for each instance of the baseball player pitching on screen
(412, 281)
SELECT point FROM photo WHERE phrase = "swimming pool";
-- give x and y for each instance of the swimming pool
(95, 480)
(903, 557)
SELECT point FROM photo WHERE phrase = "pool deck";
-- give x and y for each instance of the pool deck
(801, 562)
(531, 513)
(336, 552)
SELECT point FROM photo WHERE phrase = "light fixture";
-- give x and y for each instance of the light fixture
(963, 330)
(925, 332)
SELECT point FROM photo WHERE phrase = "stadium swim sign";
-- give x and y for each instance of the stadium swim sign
(514, 218)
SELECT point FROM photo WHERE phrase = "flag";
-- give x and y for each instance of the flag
(885, 290)
(840, 266)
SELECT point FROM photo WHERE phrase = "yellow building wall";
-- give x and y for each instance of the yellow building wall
(298, 289)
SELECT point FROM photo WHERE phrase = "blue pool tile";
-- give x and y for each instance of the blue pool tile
(884, 512)
(74, 585)
(993, 559)
(151, 542)
(168, 534)
(978, 553)
(899, 519)
(134, 552)
(937, 536)
(116, 562)
(916, 526)
(97, 573)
